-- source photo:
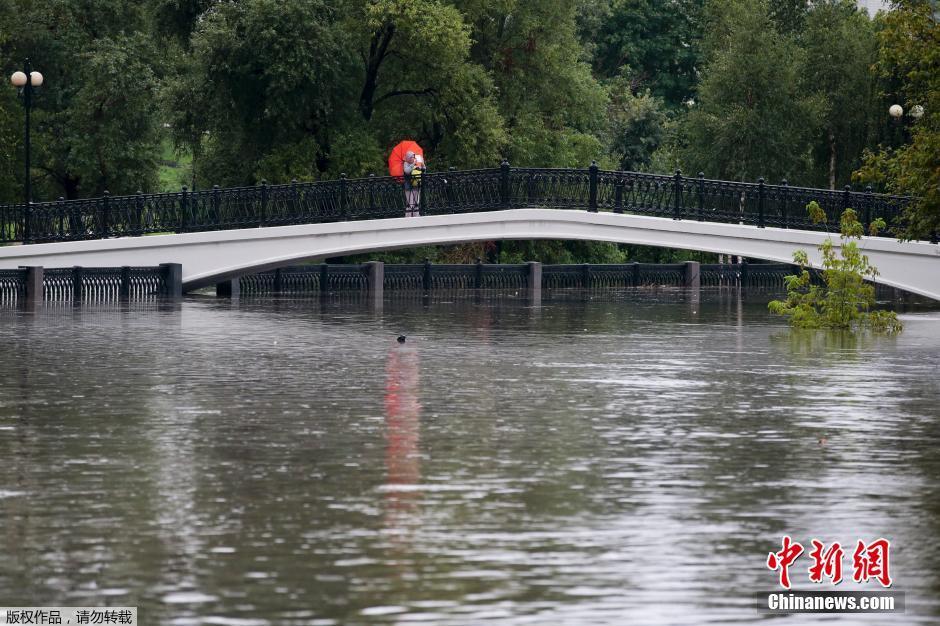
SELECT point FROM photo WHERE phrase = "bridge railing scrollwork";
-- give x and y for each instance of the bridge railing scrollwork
(591, 189)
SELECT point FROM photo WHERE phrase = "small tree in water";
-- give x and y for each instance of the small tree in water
(845, 300)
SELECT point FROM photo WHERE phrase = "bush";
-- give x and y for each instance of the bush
(844, 300)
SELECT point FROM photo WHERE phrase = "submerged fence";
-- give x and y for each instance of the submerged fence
(590, 189)
(90, 284)
(85, 284)
(428, 276)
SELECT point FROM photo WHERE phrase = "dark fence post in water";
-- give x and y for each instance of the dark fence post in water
(34, 285)
(504, 184)
(478, 274)
(534, 286)
(278, 286)
(692, 277)
(324, 278)
(124, 291)
(677, 201)
(77, 284)
(426, 277)
(264, 202)
(585, 275)
(105, 213)
(231, 288)
(592, 189)
(375, 278)
(636, 274)
(784, 205)
(743, 272)
(173, 279)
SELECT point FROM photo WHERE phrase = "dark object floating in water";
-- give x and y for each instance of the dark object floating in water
(401, 339)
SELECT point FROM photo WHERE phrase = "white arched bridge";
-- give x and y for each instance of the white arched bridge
(239, 232)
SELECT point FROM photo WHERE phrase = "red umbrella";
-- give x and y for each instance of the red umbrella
(396, 160)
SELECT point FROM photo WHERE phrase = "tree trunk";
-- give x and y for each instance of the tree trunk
(378, 49)
(70, 186)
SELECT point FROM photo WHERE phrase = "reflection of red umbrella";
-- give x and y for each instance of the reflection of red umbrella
(396, 160)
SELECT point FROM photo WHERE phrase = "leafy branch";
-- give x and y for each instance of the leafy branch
(845, 300)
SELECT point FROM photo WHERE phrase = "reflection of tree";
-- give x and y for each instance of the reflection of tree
(834, 345)
(403, 423)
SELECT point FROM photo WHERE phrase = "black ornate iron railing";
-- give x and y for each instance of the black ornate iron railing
(101, 284)
(590, 189)
(89, 284)
(307, 279)
(12, 286)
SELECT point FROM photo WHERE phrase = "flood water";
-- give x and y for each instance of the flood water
(614, 458)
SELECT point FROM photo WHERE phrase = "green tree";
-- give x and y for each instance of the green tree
(637, 126)
(11, 138)
(841, 45)
(751, 118)
(789, 16)
(178, 18)
(95, 117)
(844, 301)
(282, 89)
(418, 80)
(909, 55)
(254, 100)
(657, 44)
(552, 106)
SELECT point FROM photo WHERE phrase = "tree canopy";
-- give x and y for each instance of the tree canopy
(909, 63)
(310, 89)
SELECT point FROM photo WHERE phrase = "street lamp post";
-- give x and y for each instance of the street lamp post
(897, 112)
(27, 80)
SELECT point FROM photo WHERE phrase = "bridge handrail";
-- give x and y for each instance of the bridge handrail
(444, 192)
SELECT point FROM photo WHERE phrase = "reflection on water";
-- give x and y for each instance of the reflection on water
(403, 432)
(601, 458)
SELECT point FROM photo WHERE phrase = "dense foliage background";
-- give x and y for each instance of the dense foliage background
(153, 94)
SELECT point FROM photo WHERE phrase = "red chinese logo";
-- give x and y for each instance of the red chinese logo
(869, 561)
(783, 559)
(826, 563)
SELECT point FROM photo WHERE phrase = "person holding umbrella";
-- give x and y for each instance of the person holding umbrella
(406, 163)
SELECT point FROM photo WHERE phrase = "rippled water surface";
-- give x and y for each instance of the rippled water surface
(600, 459)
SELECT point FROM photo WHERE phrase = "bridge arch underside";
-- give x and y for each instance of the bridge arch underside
(210, 257)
